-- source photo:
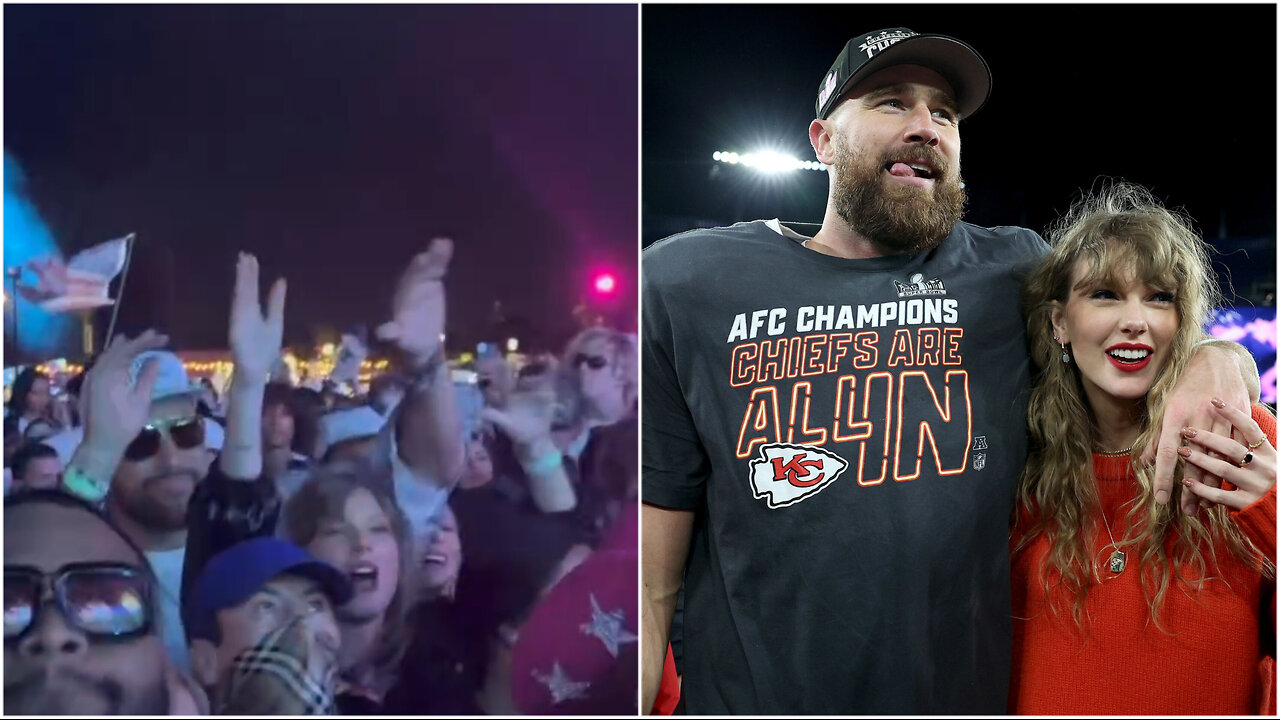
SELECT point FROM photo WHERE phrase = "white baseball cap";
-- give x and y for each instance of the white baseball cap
(349, 424)
(171, 380)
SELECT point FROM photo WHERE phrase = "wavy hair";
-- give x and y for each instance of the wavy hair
(1120, 232)
(323, 497)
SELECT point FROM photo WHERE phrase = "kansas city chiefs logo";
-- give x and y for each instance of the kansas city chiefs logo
(785, 474)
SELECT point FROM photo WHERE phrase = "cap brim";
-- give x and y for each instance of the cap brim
(194, 394)
(333, 581)
(959, 64)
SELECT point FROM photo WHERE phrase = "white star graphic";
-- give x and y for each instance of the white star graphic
(562, 687)
(607, 627)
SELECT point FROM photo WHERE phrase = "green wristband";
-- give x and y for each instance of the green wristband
(78, 483)
(544, 464)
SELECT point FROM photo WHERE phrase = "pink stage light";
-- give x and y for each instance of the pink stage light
(605, 284)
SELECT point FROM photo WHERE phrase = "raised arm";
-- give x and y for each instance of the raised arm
(255, 344)
(237, 501)
(115, 411)
(526, 420)
(428, 434)
(664, 542)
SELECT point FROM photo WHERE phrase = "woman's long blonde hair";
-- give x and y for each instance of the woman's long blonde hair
(1121, 231)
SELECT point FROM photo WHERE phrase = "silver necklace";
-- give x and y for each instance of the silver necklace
(1117, 558)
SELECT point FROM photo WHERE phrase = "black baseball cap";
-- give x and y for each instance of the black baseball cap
(960, 64)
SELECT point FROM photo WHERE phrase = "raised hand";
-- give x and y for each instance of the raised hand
(115, 408)
(418, 308)
(255, 338)
(1252, 479)
(527, 415)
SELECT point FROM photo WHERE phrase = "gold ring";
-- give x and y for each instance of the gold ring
(1248, 458)
(1258, 444)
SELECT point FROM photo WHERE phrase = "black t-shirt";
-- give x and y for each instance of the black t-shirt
(850, 433)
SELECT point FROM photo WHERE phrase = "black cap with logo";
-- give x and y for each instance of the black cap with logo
(960, 64)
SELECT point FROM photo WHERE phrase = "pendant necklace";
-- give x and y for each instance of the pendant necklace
(1117, 558)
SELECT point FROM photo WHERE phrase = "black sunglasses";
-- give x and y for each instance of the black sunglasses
(186, 433)
(595, 362)
(103, 600)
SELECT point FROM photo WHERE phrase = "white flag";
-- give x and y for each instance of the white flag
(82, 283)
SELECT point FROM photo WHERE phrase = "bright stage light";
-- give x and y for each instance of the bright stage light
(605, 283)
(767, 161)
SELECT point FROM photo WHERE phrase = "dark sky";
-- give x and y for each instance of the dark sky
(333, 142)
(1180, 98)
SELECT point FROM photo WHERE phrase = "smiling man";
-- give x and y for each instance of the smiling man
(152, 473)
(834, 419)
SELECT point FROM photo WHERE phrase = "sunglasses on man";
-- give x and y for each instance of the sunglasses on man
(595, 362)
(106, 601)
(186, 433)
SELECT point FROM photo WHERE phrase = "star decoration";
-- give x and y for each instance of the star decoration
(607, 627)
(562, 687)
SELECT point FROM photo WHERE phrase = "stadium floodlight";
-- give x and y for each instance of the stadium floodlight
(767, 161)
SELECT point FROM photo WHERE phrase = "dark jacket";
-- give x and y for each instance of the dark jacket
(222, 512)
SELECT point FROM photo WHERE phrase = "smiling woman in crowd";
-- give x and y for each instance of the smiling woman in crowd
(340, 517)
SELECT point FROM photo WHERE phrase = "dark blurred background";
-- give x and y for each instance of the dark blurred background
(334, 142)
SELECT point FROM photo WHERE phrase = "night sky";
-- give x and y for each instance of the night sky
(334, 142)
(1180, 98)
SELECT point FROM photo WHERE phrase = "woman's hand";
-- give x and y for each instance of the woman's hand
(255, 338)
(418, 308)
(1252, 479)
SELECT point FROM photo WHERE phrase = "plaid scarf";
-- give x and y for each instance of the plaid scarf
(271, 678)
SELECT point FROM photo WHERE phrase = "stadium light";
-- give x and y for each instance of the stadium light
(767, 161)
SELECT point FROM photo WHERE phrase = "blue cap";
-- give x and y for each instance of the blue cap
(233, 576)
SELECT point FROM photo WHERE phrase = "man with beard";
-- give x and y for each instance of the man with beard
(834, 419)
(81, 633)
(153, 461)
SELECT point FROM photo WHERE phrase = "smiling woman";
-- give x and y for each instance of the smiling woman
(1110, 587)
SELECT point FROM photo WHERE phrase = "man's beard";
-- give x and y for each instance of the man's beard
(148, 511)
(899, 218)
(68, 692)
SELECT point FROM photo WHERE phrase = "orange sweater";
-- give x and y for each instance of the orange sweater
(1122, 664)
